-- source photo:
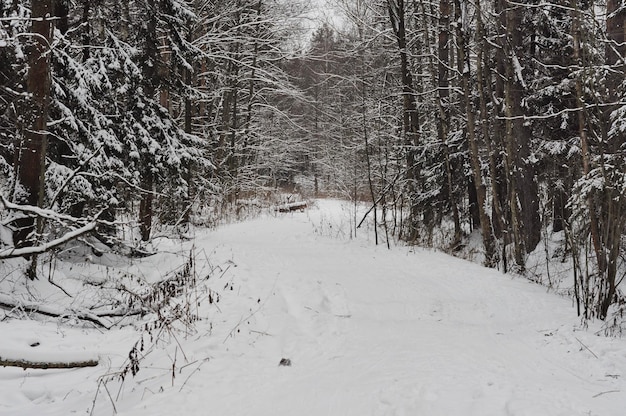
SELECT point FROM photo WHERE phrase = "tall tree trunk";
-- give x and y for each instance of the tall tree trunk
(613, 215)
(511, 170)
(481, 192)
(483, 81)
(152, 75)
(584, 142)
(519, 177)
(503, 175)
(411, 123)
(32, 154)
(524, 170)
(251, 87)
(189, 113)
(443, 106)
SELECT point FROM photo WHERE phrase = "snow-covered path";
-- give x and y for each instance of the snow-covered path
(368, 331)
(377, 332)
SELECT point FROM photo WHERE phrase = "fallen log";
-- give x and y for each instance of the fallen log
(26, 364)
(292, 206)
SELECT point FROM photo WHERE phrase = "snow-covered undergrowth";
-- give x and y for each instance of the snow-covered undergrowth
(366, 331)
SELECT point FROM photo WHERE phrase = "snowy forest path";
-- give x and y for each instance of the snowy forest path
(371, 331)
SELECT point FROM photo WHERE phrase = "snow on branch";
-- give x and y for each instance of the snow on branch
(87, 225)
(6, 302)
(25, 251)
(40, 212)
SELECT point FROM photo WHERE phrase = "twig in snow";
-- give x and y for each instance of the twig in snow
(53, 283)
(93, 406)
(224, 272)
(587, 348)
(110, 398)
(261, 333)
(95, 398)
(606, 392)
(192, 373)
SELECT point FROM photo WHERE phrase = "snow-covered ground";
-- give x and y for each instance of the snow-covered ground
(366, 330)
